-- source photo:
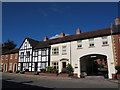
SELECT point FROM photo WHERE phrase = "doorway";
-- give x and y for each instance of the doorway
(63, 64)
(36, 65)
(94, 65)
(5, 68)
(15, 67)
(21, 66)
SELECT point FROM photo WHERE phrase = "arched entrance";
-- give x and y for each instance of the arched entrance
(15, 67)
(5, 68)
(64, 63)
(93, 65)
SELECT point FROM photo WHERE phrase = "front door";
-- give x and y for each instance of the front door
(36, 64)
(21, 67)
(5, 67)
(15, 67)
(64, 64)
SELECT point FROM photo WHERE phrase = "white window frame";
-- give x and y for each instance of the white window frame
(53, 50)
(79, 44)
(55, 66)
(11, 56)
(91, 44)
(104, 42)
(64, 50)
(6, 57)
(16, 55)
(21, 54)
(28, 54)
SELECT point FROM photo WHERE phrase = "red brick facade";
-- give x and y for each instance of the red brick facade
(9, 60)
(116, 47)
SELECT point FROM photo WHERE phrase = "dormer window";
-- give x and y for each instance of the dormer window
(79, 44)
(91, 42)
(104, 41)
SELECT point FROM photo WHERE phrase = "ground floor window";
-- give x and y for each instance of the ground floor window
(55, 64)
(10, 67)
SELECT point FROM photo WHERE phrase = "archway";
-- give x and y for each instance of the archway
(5, 67)
(15, 67)
(93, 65)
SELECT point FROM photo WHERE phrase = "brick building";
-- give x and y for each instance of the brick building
(9, 60)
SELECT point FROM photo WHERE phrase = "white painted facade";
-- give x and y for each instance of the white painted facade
(74, 54)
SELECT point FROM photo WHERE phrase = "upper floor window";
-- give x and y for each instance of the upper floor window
(11, 56)
(16, 56)
(6, 57)
(104, 40)
(55, 51)
(28, 54)
(2, 57)
(55, 64)
(35, 53)
(91, 42)
(64, 50)
(43, 52)
(79, 44)
(22, 54)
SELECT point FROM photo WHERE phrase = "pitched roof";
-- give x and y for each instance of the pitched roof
(85, 35)
(42, 44)
(32, 42)
(16, 50)
(81, 36)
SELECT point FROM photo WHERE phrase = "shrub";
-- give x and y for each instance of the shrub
(64, 70)
(22, 72)
(106, 75)
(17, 71)
(101, 65)
(118, 69)
(10, 71)
(36, 73)
(70, 69)
(49, 68)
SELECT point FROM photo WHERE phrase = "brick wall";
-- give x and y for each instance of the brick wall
(116, 47)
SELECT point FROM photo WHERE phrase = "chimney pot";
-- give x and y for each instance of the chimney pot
(62, 34)
(45, 38)
(117, 21)
(78, 31)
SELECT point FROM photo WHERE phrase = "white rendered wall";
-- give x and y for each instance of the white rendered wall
(60, 56)
(76, 54)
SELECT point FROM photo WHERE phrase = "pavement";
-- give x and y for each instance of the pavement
(13, 80)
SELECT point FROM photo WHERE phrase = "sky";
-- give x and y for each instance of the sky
(39, 19)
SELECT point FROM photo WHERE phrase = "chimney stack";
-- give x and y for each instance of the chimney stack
(45, 38)
(62, 34)
(117, 21)
(78, 31)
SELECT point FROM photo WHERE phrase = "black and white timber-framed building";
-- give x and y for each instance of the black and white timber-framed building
(33, 55)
